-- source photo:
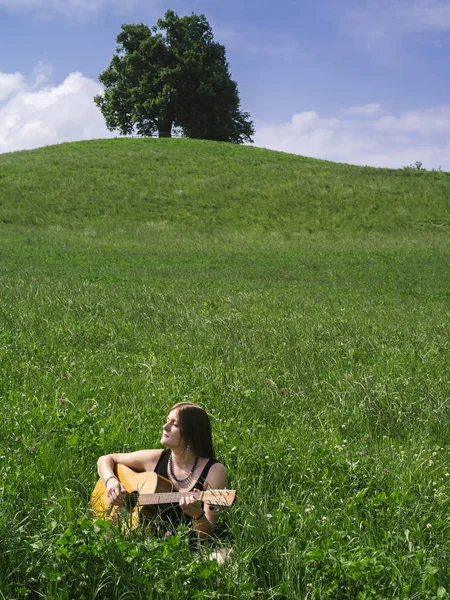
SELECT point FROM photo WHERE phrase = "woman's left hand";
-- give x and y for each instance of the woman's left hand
(191, 505)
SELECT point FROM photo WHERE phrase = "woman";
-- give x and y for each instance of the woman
(188, 462)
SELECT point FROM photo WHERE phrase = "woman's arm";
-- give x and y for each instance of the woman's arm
(204, 522)
(142, 460)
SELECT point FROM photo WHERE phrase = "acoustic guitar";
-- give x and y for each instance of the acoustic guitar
(144, 491)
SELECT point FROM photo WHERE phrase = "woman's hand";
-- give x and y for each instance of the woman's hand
(114, 491)
(191, 505)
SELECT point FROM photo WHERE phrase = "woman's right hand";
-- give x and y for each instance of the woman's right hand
(114, 491)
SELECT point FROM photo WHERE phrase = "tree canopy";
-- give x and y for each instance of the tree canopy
(172, 75)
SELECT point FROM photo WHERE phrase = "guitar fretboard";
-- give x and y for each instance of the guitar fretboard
(166, 498)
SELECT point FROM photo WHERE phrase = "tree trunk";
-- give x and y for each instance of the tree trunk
(165, 128)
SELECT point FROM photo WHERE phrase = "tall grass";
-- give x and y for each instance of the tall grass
(322, 357)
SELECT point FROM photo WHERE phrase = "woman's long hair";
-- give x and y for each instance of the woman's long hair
(195, 428)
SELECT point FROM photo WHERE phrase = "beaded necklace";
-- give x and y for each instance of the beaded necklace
(188, 476)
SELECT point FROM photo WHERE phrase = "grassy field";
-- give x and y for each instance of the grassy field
(304, 304)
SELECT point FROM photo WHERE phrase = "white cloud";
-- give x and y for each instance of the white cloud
(430, 122)
(413, 16)
(387, 141)
(69, 7)
(9, 84)
(41, 74)
(287, 50)
(36, 115)
(311, 121)
(368, 110)
(380, 25)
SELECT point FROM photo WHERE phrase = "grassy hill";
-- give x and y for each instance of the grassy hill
(207, 186)
(304, 304)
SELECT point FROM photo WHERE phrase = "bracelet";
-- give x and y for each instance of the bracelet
(200, 517)
(110, 477)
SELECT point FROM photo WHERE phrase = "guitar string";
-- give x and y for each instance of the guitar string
(166, 497)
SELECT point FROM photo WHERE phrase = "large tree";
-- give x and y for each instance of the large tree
(172, 75)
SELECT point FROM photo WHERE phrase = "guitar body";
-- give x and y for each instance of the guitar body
(144, 491)
(130, 511)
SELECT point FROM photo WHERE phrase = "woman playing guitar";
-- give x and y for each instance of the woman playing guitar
(188, 462)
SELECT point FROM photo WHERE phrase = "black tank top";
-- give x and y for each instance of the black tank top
(171, 515)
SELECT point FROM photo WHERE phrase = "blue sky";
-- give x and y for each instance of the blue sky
(357, 81)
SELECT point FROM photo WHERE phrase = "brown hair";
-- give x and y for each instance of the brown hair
(195, 428)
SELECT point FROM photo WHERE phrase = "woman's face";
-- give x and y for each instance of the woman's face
(171, 436)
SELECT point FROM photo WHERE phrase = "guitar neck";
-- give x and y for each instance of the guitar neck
(163, 498)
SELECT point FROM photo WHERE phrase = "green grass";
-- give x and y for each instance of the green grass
(304, 304)
(216, 187)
